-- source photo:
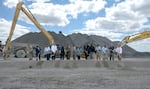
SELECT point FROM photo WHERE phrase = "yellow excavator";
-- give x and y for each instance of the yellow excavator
(135, 37)
(32, 18)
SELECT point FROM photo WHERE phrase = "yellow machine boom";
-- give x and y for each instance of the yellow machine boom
(135, 37)
(30, 16)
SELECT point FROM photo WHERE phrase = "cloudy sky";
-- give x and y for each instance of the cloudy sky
(113, 19)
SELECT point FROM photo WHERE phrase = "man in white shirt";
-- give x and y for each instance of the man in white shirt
(119, 52)
(105, 52)
(98, 52)
(54, 49)
(47, 52)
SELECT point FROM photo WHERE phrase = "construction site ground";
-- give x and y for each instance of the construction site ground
(20, 73)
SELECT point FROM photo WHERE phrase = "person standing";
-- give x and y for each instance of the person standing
(119, 52)
(92, 51)
(1, 46)
(47, 51)
(68, 52)
(111, 52)
(54, 50)
(38, 53)
(98, 52)
(30, 52)
(62, 53)
(85, 53)
(105, 52)
(74, 52)
(78, 52)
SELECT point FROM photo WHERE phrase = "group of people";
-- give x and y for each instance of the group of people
(31, 50)
(103, 53)
(78, 52)
(48, 52)
(108, 53)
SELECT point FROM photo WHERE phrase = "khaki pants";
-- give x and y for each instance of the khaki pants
(119, 56)
(99, 55)
(30, 55)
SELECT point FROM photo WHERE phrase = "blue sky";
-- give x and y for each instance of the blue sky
(113, 19)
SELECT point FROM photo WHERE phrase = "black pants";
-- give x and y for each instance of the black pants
(78, 56)
(111, 57)
(53, 57)
(48, 56)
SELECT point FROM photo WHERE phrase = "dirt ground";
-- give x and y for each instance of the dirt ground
(18, 75)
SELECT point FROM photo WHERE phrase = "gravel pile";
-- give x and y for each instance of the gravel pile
(76, 39)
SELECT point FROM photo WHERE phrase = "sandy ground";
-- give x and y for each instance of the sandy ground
(22, 74)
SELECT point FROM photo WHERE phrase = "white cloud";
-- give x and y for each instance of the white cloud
(5, 29)
(10, 3)
(122, 17)
(39, 0)
(48, 13)
(55, 14)
(117, 0)
(87, 5)
(140, 6)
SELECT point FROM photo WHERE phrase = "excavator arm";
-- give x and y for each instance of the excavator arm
(31, 17)
(135, 37)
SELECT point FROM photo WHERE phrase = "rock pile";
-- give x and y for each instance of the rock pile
(76, 39)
